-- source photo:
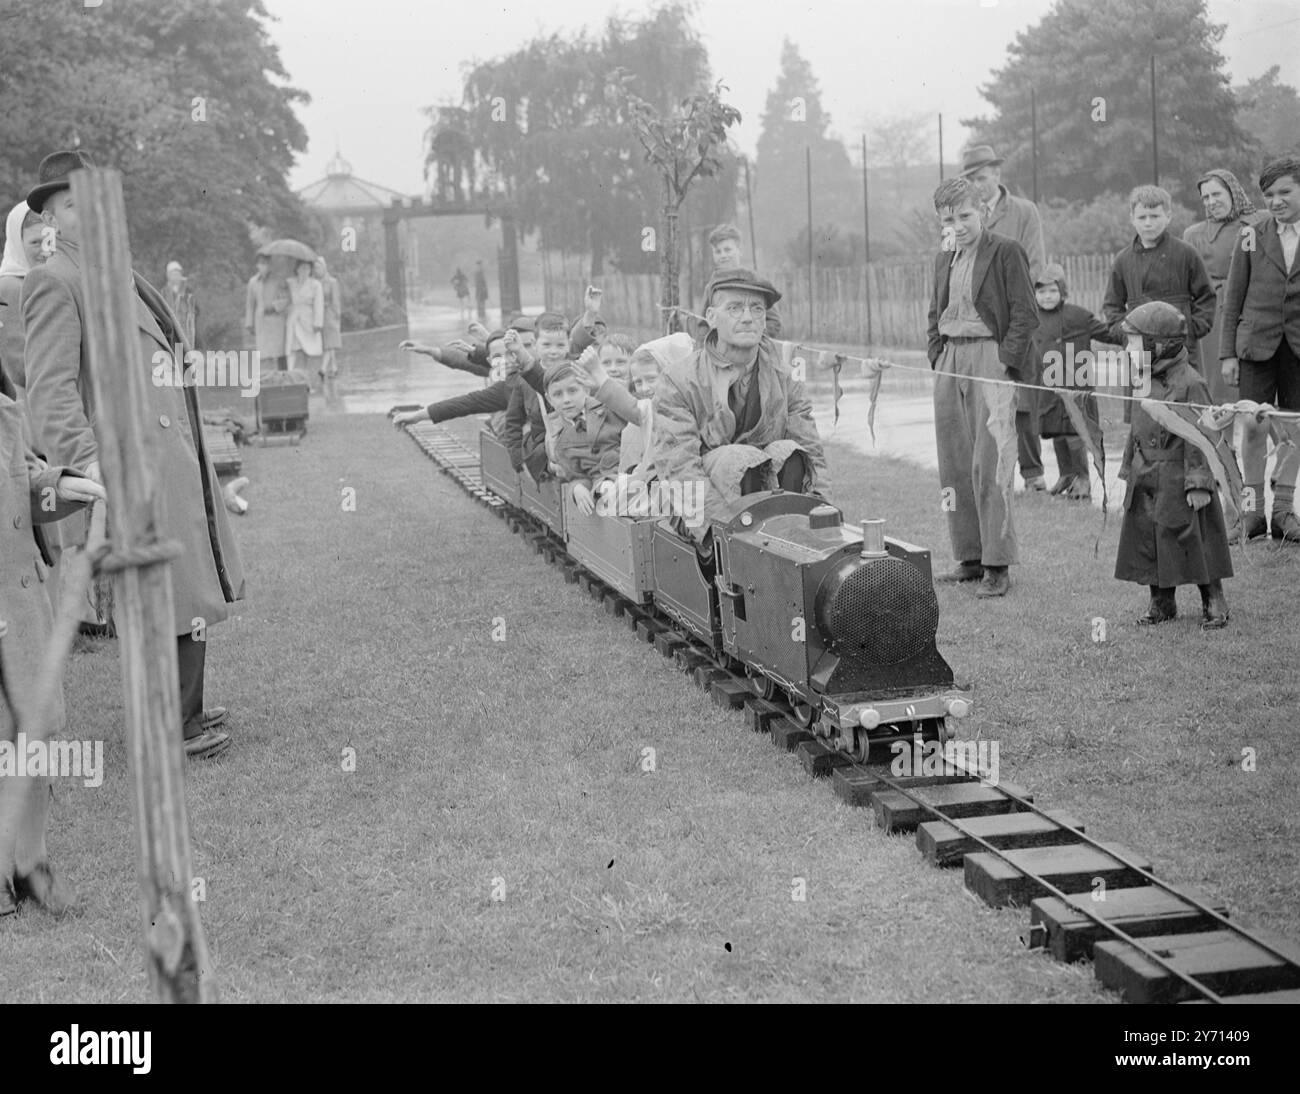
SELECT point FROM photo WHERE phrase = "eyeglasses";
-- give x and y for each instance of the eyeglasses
(738, 311)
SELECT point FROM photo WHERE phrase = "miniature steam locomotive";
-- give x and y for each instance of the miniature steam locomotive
(840, 621)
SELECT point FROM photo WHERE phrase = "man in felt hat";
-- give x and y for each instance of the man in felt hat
(206, 575)
(1018, 219)
(734, 416)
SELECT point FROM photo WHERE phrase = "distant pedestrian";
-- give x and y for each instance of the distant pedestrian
(305, 338)
(460, 283)
(1016, 218)
(265, 312)
(181, 300)
(480, 291)
(333, 331)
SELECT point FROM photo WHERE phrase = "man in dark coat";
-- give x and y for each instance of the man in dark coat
(206, 576)
(1173, 532)
(480, 291)
(982, 313)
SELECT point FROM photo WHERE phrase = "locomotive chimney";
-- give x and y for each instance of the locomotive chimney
(873, 539)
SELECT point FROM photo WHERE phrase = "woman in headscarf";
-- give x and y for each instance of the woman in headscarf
(23, 233)
(1227, 210)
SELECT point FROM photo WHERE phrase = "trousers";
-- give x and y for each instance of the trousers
(974, 426)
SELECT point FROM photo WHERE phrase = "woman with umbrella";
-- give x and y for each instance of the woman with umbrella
(304, 336)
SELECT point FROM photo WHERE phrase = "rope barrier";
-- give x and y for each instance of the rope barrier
(1222, 413)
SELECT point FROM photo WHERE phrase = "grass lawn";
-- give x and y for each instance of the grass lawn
(514, 768)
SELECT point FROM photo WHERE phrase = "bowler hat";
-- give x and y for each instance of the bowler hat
(977, 156)
(742, 279)
(53, 174)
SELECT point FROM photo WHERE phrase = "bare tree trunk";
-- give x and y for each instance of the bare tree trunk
(180, 970)
(668, 263)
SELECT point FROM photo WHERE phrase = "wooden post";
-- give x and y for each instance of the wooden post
(180, 970)
(807, 159)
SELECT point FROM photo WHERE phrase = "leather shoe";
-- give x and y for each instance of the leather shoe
(1256, 528)
(1286, 527)
(209, 743)
(1214, 606)
(1080, 490)
(42, 887)
(1062, 485)
(996, 582)
(1036, 485)
(1163, 608)
(963, 571)
(214, 716)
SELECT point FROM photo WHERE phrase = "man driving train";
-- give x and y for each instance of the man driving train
(733, 415)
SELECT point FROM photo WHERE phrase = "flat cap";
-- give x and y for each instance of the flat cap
(740, 278)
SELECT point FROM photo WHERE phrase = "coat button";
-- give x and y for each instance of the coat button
(18, 522)
(164, 421)
(26, 581)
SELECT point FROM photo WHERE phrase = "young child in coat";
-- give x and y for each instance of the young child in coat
(1061, 346)
(1173, 532)
(30, 492)
(588, 442)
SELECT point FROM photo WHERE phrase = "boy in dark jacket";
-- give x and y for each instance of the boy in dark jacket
(1062, 353)
(982, 313)
(1156, 266)
(588, 442)
(524, 432)
(1173, 532)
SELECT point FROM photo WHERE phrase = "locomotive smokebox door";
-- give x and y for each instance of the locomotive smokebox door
(803, 599)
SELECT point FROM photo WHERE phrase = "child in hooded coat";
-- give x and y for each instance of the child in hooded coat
(1065, 331)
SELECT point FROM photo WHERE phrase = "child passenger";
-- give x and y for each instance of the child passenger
(587, 444)
(1173, 532)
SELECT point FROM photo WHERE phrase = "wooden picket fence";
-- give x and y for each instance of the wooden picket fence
(900, 300)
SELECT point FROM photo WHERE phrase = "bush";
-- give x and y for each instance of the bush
(1101, 226)
(367, 303)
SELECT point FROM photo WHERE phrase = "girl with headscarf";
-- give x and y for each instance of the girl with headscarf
(23, 234)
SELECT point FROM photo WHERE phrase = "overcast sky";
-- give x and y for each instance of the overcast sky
(370, 66)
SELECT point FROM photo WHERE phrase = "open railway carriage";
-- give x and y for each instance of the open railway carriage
(845, 625)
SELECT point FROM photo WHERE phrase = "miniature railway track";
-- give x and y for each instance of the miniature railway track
(1148, 940)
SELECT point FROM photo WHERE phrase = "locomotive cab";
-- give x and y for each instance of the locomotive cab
(843, 624)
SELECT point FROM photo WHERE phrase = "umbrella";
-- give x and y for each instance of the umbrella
(289, 248)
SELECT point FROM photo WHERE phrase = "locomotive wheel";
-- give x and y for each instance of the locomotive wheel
(762, 686)
(804, 715)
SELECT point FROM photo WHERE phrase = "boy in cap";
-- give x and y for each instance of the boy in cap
(589, 439)
(982, 314)
(1173, 532)
(724, 242)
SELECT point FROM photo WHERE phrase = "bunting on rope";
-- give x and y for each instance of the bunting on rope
(1183, 420)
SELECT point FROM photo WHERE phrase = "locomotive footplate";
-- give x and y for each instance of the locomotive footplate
(850, 712)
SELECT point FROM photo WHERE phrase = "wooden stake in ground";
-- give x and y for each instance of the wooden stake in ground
(177, 955)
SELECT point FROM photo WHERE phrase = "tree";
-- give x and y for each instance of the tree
(1089, 63)
(548, 138)
(1270, 113)
(183, 97)
(684, 145)
(792, 122)
(899, 142)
